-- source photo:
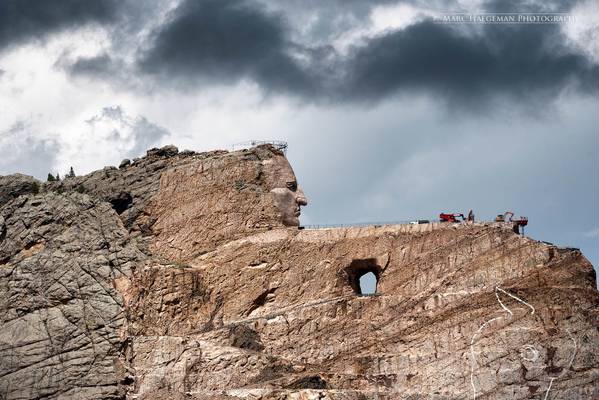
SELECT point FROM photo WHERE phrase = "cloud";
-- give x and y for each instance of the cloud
(106, 138)
(211, 41)
(95, 65)
(323, 53)
(23, 152)
(593, 233)
(584, 34)
(135, 134)
(26, 20)
(323, 22)
(519, 62)
(369, 138)
(101, 66)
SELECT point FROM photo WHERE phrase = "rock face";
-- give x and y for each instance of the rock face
(62, 317)
(184, 276)
(13, 186)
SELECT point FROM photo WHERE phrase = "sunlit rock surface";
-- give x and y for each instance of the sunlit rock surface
(184, 276)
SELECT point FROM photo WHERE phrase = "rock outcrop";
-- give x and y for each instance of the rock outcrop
(184, 275)
(13, 186)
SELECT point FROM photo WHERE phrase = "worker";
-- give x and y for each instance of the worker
(470, 216)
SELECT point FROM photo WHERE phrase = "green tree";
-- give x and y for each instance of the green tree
(51, 178)
(71, 173)
(57, 176)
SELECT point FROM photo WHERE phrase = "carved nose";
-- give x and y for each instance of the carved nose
(300, 198)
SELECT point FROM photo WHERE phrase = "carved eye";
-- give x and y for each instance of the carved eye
(292, 186)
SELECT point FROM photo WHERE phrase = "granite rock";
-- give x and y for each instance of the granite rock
(185, 276)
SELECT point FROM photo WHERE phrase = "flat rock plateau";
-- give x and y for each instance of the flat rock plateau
(183, 275)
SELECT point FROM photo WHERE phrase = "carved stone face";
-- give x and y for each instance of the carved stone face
(288, 196)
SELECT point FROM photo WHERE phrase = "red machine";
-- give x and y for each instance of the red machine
(451, 217)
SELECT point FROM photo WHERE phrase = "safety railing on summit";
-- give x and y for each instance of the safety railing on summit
(375, 224)
(277, 144)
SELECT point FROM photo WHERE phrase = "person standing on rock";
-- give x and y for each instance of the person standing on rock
(470, 216)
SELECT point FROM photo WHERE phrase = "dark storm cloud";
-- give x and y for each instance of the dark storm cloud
(207, 42)
(510, 60)
(212, 40)
(24, 20)
(285, 48)
(523, 6)
(102, 66)
(91, 65)
(320, 21)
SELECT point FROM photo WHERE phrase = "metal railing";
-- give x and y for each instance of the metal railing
(367, 224)
(377, 224)
(277, 144)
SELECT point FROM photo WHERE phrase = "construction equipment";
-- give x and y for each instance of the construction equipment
(519, 222)
(444, 217)
(504, 217)
(522, 221)
(508, 216)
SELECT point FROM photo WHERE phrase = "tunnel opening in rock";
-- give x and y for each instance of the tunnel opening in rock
(368, 284)
(121, 202)
(363, 276)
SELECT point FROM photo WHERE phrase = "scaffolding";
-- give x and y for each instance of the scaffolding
(277, 144)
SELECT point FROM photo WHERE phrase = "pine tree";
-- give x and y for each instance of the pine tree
(71, 173)
(57, 176)
(51, 177)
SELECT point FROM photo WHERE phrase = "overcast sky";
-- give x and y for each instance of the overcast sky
(388, 114)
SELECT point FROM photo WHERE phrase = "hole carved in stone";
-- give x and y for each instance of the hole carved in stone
(363, 276)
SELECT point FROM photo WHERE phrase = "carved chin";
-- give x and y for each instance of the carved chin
(290, 220)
